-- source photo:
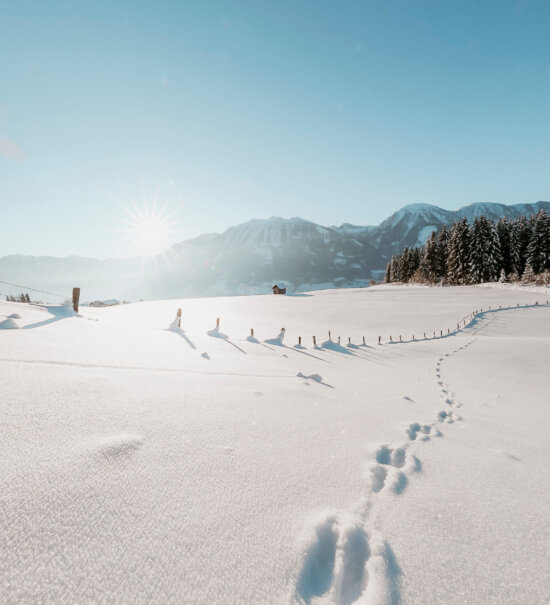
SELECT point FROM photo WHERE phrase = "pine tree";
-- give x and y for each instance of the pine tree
(528, 275)
(538, 250)
(421, 274)
(523, 231)
(415, 259)
(387, 278)
(494, 255)
(442, 252)
(504, 229)
(459, 253)
(514, 248)
(432, 257)
(396, 268)
(514, 277)
(406, 265)
(485, 258)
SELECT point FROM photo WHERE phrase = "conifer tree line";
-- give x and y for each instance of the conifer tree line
(485, 251)
(24, 298)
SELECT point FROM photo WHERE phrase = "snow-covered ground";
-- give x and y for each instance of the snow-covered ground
(142, 463)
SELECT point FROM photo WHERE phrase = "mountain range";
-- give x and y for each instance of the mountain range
(249, 258)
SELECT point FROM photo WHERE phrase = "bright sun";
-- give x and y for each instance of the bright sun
(148, 231)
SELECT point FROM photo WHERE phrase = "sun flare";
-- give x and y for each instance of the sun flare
(149, 231)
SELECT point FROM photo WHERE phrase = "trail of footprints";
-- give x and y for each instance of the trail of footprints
(345, 563)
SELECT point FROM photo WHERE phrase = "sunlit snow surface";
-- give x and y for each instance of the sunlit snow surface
(142, 462)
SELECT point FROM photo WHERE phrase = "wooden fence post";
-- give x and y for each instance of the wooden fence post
(299, 340)
(76, 299)
(251, 331)
(179, 318)
(364, 337)
(314, 342)
(217, 322)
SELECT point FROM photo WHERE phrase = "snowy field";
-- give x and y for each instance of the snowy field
(142, 463)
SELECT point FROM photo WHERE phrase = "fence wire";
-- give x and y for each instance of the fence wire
(25, 288)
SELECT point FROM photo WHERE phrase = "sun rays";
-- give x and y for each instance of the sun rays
(148, 230)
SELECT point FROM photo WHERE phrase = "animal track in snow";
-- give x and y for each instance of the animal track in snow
(389, 470)
(448, 417)
(422, 432)
(342, 564)
(391, 456)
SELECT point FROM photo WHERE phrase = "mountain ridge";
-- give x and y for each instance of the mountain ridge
(249, 257)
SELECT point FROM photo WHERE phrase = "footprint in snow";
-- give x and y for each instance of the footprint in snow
(389, 470)
(336, 563)
(448, 417)
(420, 431)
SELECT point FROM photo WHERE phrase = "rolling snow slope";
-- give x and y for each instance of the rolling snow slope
(145, 463)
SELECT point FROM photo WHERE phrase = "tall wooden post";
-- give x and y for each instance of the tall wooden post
(179, 318)
(76, 299)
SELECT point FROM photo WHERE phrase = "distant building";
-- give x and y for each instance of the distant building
(277, 290)
(105, 303)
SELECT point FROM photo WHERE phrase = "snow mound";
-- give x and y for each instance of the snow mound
(8, 324)
(118, 446)
(174, 325)
(14, 316)
(215, 333)
(278, 340)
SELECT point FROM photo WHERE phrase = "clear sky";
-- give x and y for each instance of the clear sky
(336, 111)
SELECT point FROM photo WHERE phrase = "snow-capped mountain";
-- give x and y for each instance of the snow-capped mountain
(412, 224)
(250, 257)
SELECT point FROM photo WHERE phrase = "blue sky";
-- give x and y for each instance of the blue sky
(226, 111)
